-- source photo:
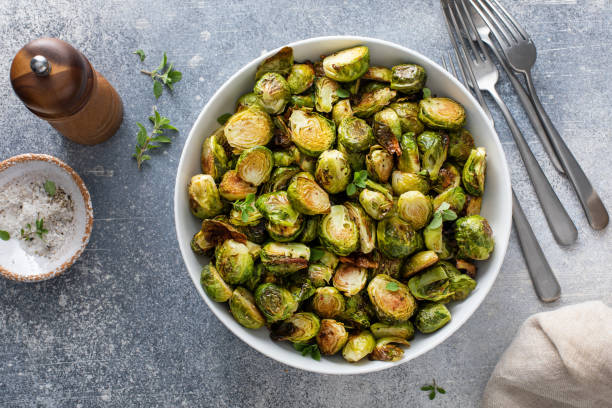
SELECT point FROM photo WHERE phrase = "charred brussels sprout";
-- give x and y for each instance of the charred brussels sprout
(386, 349)
(333, 171)
(372, 86)
(418, 262)
(433, 147)
(408, 113)
(455, 197)
(300, 78)
(214, 160)
(357, 312)
(379, 163)
(460, 284)
(256, 278)
(233, 188)
(204, 199)
(311, 230)
(214, 285)
(328, 302)
(402, 182)
(306, 196)
(286, 158)
(474, 237)
(246, 101)
(255, 165)
(387, 130)
(367, 229)
(355, 134)
(284, 258)
(375, 203)
(358, 346)
(409, 160)
(280, 63)
(448, 177)
(355, 160)
(332, 337)
(461, 144)
(300, 327)
(474, 172)
(472, 205)
(273, 92)
(431, 317)
(301, 287)
(275, 302)
(441, 113)
(303, 101)
(277, 208)
(319, 274)
(326, 94)
(279, 180)
(249, 128)
(243, 308)
(396, 238)
(312, 133)
(401, 330)
(234, 262)
(347, 65)
(350, 279)
(433, 284)
(285, 233)
(414, 208)
(387, 266)
(408, 78)
(380, 74)
(372, 102)
(337, 231)
(341, 110)
(392, 300)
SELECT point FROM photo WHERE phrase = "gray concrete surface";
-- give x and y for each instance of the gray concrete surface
(125, 326)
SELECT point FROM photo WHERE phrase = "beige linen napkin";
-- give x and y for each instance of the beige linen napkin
(558, 359)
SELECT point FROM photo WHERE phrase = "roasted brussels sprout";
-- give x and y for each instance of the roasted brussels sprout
(355, 134)
(284, 258)
(372, 86)
(319, 274)
(213, 233)
(300, 327)
(326, 94)
(307, 163)
(358, 346)
(347, 65)
(341, 110)
(255, 165)
(312, 133)
(448, 177)
(337, 231)
(234, 262)
(401, 330)
(256, 278)
(350, 279)
(243, 308)
(387, 130)
(402, 182)
(306, 196)
(273, 92)
(380, 74)
(279, 180)
(372, 102)
(332, 337)
(281, 63)
(396, 238)
(249, 128)
(408, 78)
(301, 287)
(303, 101)
(357, 312)
(214, 285)
(375, 203)
(433, 284)
(333, 171)
(460, 145)
(328, 302)
(454, 196)
(310, 231)
(249, 217)
(415, 208)
(474, 172)
(431, 317)
(285, 233)
(461, 285)
(356, 160)
(246, 101)
(441, 113)
(409, 160)
(233, 188)
(204, 199)
(408, 113)
(418, 262)
(285, 158)
(434, 239)
(214, 160)
(391, 299)
(365, 225)
(328, 258)
(386, 349)
(474, 237)
(254, 249)
(433, 147)
(379, 163)
(300, 78)
(277, 208)
(386, 266)
(275, 302)
(472, 205)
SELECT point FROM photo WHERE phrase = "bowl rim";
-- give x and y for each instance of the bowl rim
(32, 157)
(503, 236)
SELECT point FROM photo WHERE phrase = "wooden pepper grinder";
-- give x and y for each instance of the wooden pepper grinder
(58, 84)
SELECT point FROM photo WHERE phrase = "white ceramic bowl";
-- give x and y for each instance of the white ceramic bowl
(497, 203)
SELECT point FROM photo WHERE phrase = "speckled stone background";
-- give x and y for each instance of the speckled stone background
(125, 326)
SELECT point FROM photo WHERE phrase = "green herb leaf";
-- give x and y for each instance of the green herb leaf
(426, 93)
(392, 286)
(427, 388)
(141, 54)
(449, 215)
(4, 235)
(316, 353)
(342, 93)
(162, 64)
(444, 206)
(299, 346)
(359, 178)
(441, 390)
(432, 395)
(174, 76)
(316, 254)
(158, 89)
(50, 188)
(145, 142)
(432, 388)
(351, 189)
(224, 118)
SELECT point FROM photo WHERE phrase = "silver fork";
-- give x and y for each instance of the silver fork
(474, 57)
(520, 54)
(544, 281)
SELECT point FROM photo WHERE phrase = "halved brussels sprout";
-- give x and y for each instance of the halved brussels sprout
(386, 265)
(433, 147)
(347, 65)
(379, 163)
(372, 102)
(448, 177)
(408, 78)
(356, 160)
(418, 262)
(461, 285)
(287, 157)
(391, 299)
(213, 233)
(402, 182)
(474, 237)
(468, 267)
(280, 63)
(254, 249)
(214, 160)
(256, 233)
(307, 163)
(328, 302)
(285, 258)
(319, 274)
(285, 233)
(435, 241)
(300, 327)
(454, 196)
(300, 78)
(277, 208)
(328, 258)
(255, 165)
(415, 208)
(306, 196)
(243, 308)
(433, 284)
(337, 231)
(358, 346)
(246, 101)
(386, 349)
(241, 218)
(303, 101)
(233, 188)
(204, 199)
(357, 312)
(275, 302)
(408, 113)
(279, 180)
(401, 330)
(311, 230)
(333, 171)
(301, 287)
(472, 205)
(355, 134)
(312, 133)
(396, 238)
(474, 172)
(409, 160)
(387, 130)
(375, 203)
(341, 110)
(371, 86)
(214, 285)
(380, 74)
(460, 145)
(234, 262)
(350, 279)
(441, 113)
(273, 92)
(282, 135)
(431, 317)
(326, 94)
(249, 128)
(332, 337)
(256, 278)
(367, 229)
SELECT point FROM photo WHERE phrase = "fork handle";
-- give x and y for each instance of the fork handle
(543, 278)
(589, 199)
(560, 223)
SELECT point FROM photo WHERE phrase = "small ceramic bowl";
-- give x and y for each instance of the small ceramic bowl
(66, 178)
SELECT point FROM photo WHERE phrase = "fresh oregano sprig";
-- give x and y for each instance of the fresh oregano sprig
(246, 206)
(164, 74)
(359, 180)
(140, 54)
(443, 213)
(433, 388)
(146, 142)
(308, 349)
(27, 232)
